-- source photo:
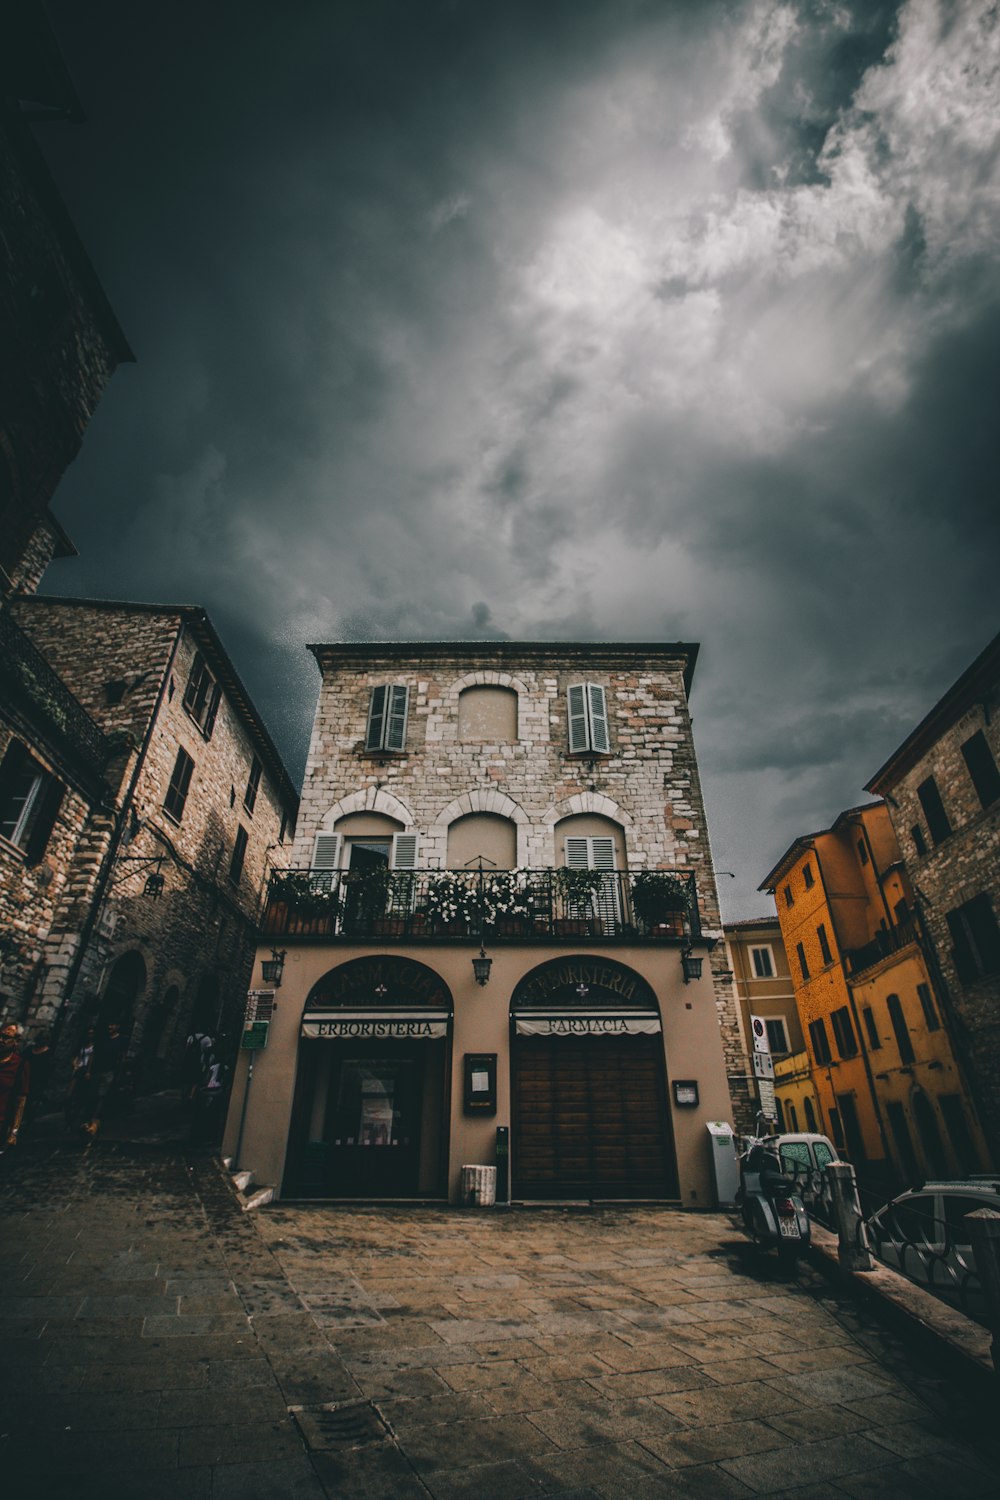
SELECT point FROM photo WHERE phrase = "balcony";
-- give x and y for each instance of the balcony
(514, 906)
(28, 677)
(882, 945)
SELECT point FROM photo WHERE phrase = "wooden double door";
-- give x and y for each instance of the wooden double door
(591, 1118)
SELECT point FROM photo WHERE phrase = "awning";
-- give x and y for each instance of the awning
(413, 1025)
(588, 1023)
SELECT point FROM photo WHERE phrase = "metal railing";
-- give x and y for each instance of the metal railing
(511, 905)
(29, 677)
(884, 943)
(933, 1252)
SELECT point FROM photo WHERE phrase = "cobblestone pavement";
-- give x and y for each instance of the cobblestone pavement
(159, 1343)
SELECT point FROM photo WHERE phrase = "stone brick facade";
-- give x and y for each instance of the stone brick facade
(648, 783)
(187, 950)
(955, 865)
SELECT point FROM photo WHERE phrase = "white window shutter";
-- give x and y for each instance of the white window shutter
(326, 851)
(395, 729)
(404, 851)
(598, 714)
(578, 853)
(374, 735)
(602, 853)
(576, 705)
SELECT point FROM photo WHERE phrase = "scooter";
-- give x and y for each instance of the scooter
(774, 1215)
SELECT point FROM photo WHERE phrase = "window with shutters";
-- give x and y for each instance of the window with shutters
(937, 819)
(762, 960)
(253, 785)
(868, 1016)
(900, 1028)
(824, 944)
(931, 1018)
(386, 732)
(587, 716)
(982, 768)
(30, 799)
(803, 965)
(777, 1036)
(239, 856)
(976, 938)
(596, 852)
(919, 843)
(847, 1043)
(820, 1041)
(202, 696)
(180, 781)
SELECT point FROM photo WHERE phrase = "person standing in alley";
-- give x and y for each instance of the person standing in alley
(109, 1053)
(15, 1078)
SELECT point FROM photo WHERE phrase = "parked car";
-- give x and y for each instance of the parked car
(805, 1157)
(922, 1233)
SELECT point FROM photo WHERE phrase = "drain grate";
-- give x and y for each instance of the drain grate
(355, 1424)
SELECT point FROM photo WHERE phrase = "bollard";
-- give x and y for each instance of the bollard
(984, 1231)
(853, 1252)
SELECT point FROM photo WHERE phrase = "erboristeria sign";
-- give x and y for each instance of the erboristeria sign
(340, 1025)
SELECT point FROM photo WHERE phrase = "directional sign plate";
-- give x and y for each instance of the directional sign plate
(763, 1065)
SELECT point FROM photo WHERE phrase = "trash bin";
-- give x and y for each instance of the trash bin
(479, 1187)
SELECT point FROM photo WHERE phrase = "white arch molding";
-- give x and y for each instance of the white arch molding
(485, 800)
(594, 803)
(372, 799)
(485, 678)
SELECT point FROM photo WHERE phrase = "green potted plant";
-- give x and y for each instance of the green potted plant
(660, 901)
(302, 895)
(578, 891)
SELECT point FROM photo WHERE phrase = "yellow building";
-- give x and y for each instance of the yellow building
(762, 986)
(883, 1070)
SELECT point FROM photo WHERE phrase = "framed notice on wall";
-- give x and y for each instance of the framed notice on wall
(480, 1083)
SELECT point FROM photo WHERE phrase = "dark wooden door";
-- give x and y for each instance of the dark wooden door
(590, 1119)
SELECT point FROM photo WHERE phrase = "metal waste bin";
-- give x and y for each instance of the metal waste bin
(725, 1164)
(479, 1187)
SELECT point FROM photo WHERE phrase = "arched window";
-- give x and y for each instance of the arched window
(793, 1119)
(588, 841)
(126, 983)
(810, 1114)
(487, 714)
(482, 834)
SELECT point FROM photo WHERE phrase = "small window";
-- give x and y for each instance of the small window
(587, 713)
(847, 1042)
(824, 944)
(808, 877)
(180, 781)
(926, 999)
(763, 963)
(862, 851)
(777, 1036)
(202, 695)
(976, 940)
(802, 960)
(239, 856)
(900, 1028)
(253, 785)
(30, 799)
(868, 1016)
(811, 1126)
(982, 768)
(820, 1042)
(917, 835)
(937, 818)
(387, 718)
(789, 898)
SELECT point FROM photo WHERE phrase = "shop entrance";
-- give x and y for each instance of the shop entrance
(370, 1115)
(590, 1114)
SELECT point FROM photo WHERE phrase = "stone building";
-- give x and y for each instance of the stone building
(60, 342)
(762, 985)
(884, 1071)
(498, 934)
(137, 894)
(942, 789)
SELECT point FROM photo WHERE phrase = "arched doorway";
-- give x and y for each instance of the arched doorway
(370, 1114)
(126, 982)
(588, 1088)
(158, 1017)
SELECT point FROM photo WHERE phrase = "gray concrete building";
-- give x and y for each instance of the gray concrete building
(500, 931)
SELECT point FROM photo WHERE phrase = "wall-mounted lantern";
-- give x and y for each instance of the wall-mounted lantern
(272, 968)
(690, 965)
(481, 967)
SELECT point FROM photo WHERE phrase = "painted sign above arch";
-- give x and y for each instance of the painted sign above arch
(584, 984)
(379, 982)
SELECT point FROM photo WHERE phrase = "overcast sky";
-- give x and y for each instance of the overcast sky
(589, 320)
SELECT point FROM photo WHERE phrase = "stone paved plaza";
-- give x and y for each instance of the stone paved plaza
(157, 1342)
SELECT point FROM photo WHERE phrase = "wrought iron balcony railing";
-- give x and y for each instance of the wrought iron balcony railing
(884, 943)
(29, 678)
(511, 905)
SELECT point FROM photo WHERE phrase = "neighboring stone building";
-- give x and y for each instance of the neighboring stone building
(59, 339)
(942, 787)
(142, 901)
(763, 987)
(885, 1073)
(533, 809)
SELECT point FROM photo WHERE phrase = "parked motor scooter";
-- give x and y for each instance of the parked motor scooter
(774, 1215)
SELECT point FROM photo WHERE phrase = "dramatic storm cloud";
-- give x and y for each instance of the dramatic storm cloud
(568, 320)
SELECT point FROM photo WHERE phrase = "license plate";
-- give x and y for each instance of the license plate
(789, 1229)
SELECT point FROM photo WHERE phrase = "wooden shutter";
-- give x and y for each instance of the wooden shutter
(578, 853)
(404, 851)
(395, 729)
(326, 858)
(213, 709)
(193, 682)
(598, 714)
(602, 857)
(376, 719)
(576, 706)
